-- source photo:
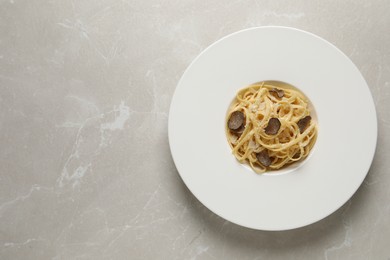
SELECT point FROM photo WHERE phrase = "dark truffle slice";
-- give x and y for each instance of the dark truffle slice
(278, 93)
(236, 121)
(273, 126)
(304, 123)
(240, 130)
(264, 158)
(296, 155)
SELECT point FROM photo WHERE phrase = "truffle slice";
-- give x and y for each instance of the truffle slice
(273, 126)
(240, 130)
(264, 158)
(278, 93)
(296, 155)
(236, 122)
(304, 123)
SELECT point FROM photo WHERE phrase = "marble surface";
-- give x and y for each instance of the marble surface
(85, 165)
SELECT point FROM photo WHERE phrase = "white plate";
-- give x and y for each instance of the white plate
(342, 154)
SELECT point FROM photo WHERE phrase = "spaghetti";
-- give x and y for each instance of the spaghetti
(269, 127)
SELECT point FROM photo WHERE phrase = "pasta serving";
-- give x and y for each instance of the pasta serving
(270, 126)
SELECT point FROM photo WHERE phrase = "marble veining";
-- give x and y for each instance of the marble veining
(85, 166)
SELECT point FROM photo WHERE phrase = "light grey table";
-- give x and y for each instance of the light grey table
(85, 166)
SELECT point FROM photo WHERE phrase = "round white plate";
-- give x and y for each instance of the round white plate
(292, 198)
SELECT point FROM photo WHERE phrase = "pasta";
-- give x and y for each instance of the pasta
(268, 126)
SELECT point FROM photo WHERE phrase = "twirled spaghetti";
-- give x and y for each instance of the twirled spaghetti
(269, 126)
